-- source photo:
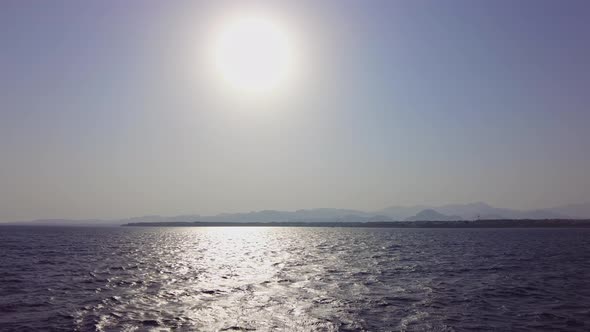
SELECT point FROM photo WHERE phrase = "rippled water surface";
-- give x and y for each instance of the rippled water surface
(295, 279)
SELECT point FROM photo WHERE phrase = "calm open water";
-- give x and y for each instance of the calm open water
(295, 279)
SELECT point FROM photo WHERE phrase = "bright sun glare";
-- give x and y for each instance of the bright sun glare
(254, 55)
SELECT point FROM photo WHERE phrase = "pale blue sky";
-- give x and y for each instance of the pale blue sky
(107, 111)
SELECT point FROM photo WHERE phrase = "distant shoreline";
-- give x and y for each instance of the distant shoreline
(501, 223)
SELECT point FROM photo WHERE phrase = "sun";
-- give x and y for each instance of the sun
(254, 54)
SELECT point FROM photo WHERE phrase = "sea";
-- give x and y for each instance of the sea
(293, 279)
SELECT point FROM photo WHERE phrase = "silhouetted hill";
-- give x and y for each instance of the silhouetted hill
(432, 215)
(478, 210)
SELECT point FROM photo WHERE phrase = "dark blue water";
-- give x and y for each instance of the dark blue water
(294, 279)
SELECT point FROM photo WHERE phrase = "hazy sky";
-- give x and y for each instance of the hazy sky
(108, 108)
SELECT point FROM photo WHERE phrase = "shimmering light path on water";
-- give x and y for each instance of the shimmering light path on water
(300, 279)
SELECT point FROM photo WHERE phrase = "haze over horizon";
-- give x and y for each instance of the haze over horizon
(111, 110)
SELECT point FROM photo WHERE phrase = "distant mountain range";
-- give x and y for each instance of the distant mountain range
(450, 212)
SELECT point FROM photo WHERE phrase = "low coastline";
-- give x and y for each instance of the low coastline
(500, 223)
